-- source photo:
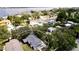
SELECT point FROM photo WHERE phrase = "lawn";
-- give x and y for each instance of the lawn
(26, 47)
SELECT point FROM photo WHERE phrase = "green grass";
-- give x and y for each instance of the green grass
(1, 41)
(26, 47)
(1, 47)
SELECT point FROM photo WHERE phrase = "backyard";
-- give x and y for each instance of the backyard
(26, 47)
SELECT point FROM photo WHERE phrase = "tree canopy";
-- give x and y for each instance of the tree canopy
(16, 20)
(61, 39)
(4, 34)
(69, 14)
(20, 33)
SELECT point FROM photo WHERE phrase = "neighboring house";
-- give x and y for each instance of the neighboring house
(5, 17)
(34, 42)
(71, 22)
(36, 22)
(10, 27)
(19, 15)
(30, 18)
(47, 18)
(51, 21)
(4, 22)
(18, 27)
(33, 22)
(7, 23)
(44, 17)
(68, 25)
(43, 20)
(13, 45)
(40, 22)
(51, 29)
(54, 17)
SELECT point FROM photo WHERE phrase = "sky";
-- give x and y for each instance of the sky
(39, 3)
(11, 11)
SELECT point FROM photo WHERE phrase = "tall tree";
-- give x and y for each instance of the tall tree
(62, 16)
(4, 34)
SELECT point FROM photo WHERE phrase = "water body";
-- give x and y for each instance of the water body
(5, 11)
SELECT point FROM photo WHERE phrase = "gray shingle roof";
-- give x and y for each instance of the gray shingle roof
(33, 41)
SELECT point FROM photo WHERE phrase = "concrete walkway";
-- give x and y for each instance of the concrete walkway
(13, 45)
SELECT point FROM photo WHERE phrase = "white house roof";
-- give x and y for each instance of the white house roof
(36, 22)
(10, 27)
(4, 17)
(67, 24)
(51, 29)
(19, 15)
(51, 20)
(70, 22)
(44, 17)
(19, 27)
